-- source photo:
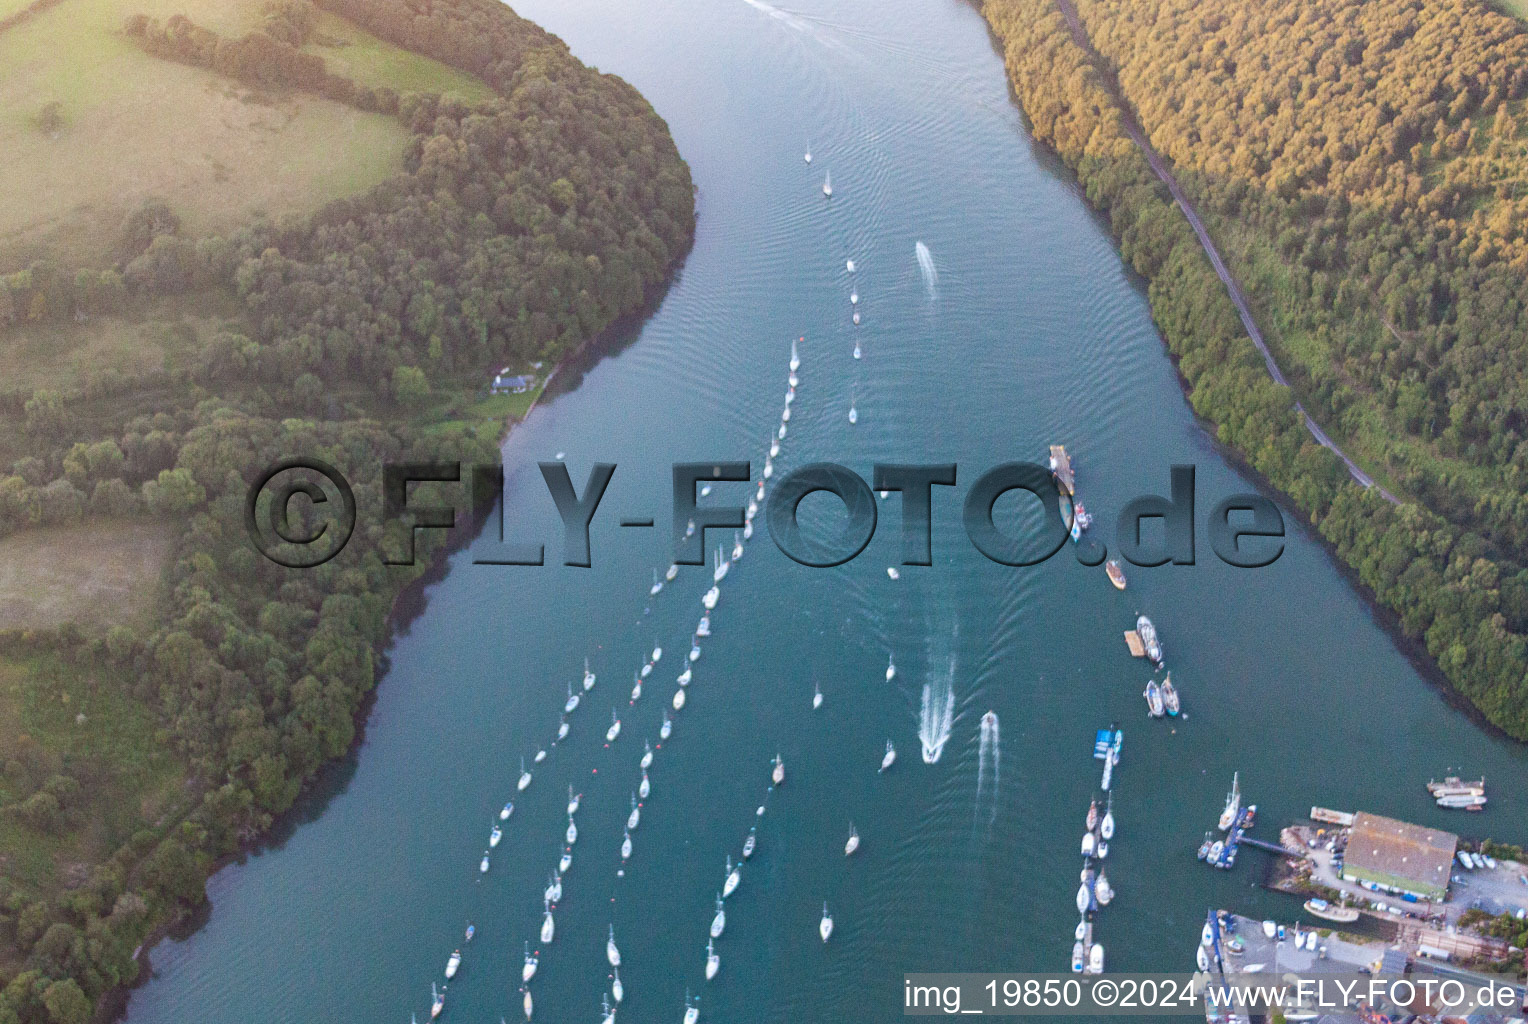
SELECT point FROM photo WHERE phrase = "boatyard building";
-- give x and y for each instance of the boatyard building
(1398, 857)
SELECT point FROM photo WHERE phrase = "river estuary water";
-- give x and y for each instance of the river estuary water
(1033, 333)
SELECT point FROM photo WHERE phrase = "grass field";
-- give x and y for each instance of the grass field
(351, 51)
(135, 126)
(57, 719)
(96, 574)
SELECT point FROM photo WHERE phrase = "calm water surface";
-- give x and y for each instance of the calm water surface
(1034, 333)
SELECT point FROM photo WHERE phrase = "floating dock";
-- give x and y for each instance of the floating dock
(1327, 816)
(1135, 643)
(1061, 467)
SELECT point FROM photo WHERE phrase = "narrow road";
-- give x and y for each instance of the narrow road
(1159, 166)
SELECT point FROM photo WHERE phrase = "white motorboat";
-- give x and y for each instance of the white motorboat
(711, 597)
(1106, 827)
(1102, 891)
(667, 727)
(777, 774)
(774, 447)
(611, 952)
(750, 843)
(647, 755)
(769, 468)
(737, 547)
(657, 584)
(684, 677)
(855, 317)
(506, 811)
(854, 841)
(548, 927)
(1079, 957)
(483, 864)
(636, 813)
(853, 413)
(572, 701)
(566, 862)
(1103, 849)
(615, 727)
(1206, 934)
(626, 845)
(453, 962)
(495, 836)
(689, 528)
(795, 360)
(703, 627)
(678, 699)
(891, 669)
(645, 671)
(808, 157)
(528, 971)
(562, 728)
(573, 799)
(694, 652)
(752, 509)
(893, 572)
(1096, 959)
(617, 990)
(636, 690)
(825, 926)
(854, 298)
(713, 959)
(1089, 844)
(572, 833)
(705, 492)
(785, 417)
(734, 876)
(816, 696)
(793, 380)
(657, 654)
(857, 352)
(719, 922)
(889, 757)
(1270, 928)
(589, 676)
(782, 432)
(540, 756)
(673, 570)
(849, 265)
(645, 788)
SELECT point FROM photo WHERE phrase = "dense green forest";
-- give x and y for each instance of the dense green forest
(1363, 167)
(520, 228)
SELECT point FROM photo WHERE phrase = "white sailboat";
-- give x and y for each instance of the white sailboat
(678, 699)
(694, 652)
(657, 654)
(566, 862)
(889, 758)
(734, 876)
(572, 833)
(612, 953)
(589, 676)
(816, 696)
(667, 727)
(615, 727)
(795, 359)
(855, 317)
(1106, 827)
(636, 689)
(608, 1014)
(495, 836)
(825, 926)
(673, 570)
(645, 788)
(719, 922)
(891, 669)
(617, 990)
(483, 864)
(528, 971)
(437, 1001)
(737, 551)
(853, 412)
(854, 298)
(573, 799)
(626, 845)
(691, 1011)
(827, 185)
(540, 756)
(647, 755)
(713, 959)
(856, 346)
(636, 813)
(548, 926)
(572, 701)
(750, 843)
(854, 841)
(657, 584)
(562, 728)
(777, 775)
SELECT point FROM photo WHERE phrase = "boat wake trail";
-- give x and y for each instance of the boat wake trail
(926, 265)
(785, 17)
(988, 756)
(937, 716)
